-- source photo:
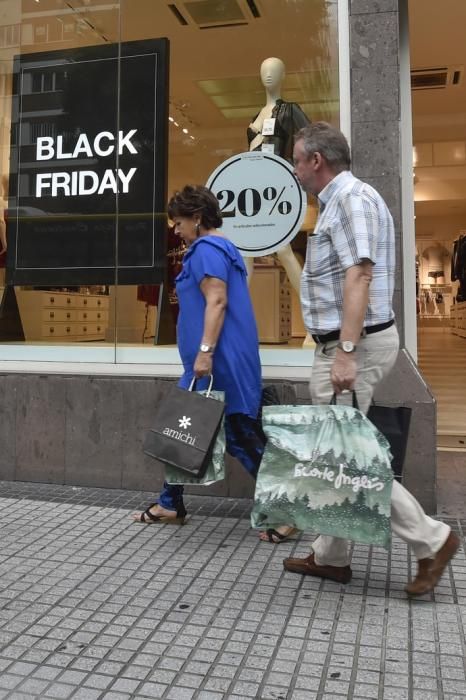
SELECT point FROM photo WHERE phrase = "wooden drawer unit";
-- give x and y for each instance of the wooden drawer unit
(285, 305)
(58, 330)
(63, 316)
(92, 302)
(271, 297)
(92, 315)
(59, 315)
(89, 329)
(57, 299)
(458, 319)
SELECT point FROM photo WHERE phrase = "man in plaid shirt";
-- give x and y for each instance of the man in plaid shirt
(346, 295)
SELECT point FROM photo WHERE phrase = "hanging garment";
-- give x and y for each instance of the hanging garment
(289, 118)
(454, 257)
(459, 259)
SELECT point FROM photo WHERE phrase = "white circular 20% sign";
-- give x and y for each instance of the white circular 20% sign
(261, 202)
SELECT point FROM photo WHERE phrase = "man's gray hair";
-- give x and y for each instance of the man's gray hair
(327, 140)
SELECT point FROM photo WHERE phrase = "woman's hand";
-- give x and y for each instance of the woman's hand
(203, 364)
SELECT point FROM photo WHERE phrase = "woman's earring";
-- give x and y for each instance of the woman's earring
(198, 227)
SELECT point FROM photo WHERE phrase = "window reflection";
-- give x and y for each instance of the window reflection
(215, 95)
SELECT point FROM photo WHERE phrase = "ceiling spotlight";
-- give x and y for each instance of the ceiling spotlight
(175, 123)
(170, 119)
(185, 131)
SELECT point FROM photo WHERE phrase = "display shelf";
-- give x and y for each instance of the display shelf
(430, 307)
(458, 319)
(436, 286)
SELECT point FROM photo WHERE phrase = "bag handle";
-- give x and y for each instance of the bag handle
(333, 400)
(192, 386)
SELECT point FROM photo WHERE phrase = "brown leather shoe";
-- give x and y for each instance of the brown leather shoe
(422, 583)
(308, 567)
(431, 570)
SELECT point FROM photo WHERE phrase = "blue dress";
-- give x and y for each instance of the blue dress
(236, 362)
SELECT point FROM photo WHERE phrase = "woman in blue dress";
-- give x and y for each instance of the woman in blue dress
(216, 334)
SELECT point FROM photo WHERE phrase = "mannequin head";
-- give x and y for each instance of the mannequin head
(272, 73)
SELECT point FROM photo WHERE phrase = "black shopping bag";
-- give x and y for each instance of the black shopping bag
(185, 429)
(393, 423)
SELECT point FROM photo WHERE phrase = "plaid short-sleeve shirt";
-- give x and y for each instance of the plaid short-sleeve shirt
(354, 224)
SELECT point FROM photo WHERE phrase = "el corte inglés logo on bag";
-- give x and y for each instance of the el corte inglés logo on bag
(184, 422)
(338, 478)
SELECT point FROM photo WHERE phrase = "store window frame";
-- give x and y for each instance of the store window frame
(289, 363)
(407, 189)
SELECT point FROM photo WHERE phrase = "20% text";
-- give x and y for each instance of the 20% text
(250, 202)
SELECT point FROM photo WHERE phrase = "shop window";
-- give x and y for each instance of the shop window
(215, 98)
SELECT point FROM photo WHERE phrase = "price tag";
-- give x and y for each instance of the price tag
(268, 127)
(262, 204)
(267, 148)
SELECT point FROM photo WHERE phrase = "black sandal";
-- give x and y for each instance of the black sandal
(279, 537)
(177, 519)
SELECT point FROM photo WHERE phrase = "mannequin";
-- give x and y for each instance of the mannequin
(288, 119)
(435, 255)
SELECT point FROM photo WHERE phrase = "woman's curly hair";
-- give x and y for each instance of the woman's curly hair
(196, 199)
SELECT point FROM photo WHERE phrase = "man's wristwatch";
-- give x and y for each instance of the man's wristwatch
(203, 347)
(346, 345)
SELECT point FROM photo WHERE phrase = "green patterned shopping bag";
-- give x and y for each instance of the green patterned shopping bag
(325, 469)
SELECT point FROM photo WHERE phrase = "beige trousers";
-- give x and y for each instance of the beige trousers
(376, 354)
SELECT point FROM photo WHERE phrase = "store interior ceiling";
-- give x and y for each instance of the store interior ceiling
(215, 56)
(211, 93)
(438, 59)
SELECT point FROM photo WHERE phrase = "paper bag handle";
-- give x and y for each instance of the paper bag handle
(193, 384)
(333, 400)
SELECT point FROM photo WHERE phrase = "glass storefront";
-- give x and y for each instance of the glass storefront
(106, 108)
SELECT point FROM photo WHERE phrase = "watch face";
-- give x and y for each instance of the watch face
(347, 346)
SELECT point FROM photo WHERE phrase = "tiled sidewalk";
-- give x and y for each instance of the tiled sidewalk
(94, 606)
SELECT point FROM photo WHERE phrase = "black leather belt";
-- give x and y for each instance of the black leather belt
(335, 335)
